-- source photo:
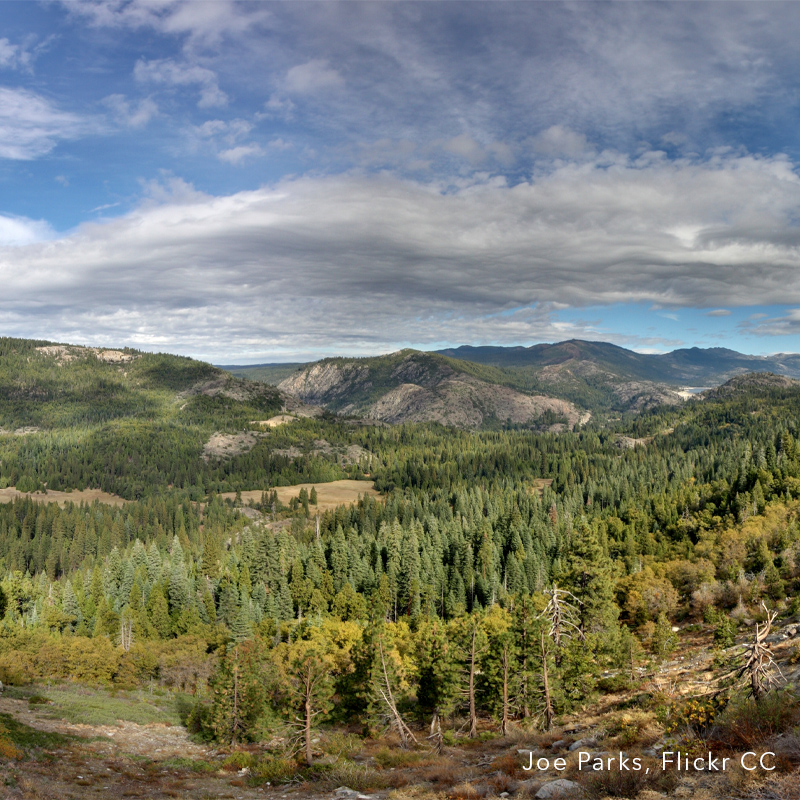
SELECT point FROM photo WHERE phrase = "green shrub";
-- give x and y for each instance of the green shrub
(273, 769)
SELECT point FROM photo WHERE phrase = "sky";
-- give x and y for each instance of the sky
(265, 182)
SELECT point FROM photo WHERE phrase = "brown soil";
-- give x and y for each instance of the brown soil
(62, 498)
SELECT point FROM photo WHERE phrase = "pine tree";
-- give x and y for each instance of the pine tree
(238, 690)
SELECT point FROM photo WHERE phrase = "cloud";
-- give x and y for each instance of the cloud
(129, 115)
(236, 155)
(171, 73)
(19, 231)
(786, 325)
(31, 126)
(558, 141)
(313, 76)
(204, 23)
(358, 262)
(718, 312)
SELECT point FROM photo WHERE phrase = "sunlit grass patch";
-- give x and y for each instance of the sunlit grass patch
(81, 705)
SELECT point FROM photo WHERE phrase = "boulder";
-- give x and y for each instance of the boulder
(582, 743)
(560, 788)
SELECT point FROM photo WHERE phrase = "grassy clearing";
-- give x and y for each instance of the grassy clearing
(81, 705)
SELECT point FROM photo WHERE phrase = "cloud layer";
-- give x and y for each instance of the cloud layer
(366, 262)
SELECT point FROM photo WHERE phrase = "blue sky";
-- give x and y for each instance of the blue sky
(251, 182)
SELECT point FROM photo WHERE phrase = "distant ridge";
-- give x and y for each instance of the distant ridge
(691, 366)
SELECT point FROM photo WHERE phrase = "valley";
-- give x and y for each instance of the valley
(394, 535)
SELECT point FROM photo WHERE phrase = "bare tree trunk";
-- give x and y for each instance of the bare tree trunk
(506, 667)
(307, 731)
(235, 724)
(473, 715)
(403, 731)
(548, 703)
(436, 733)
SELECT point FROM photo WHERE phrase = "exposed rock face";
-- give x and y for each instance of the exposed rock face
(327, 381)
(465, 402)
(226, 385)
(415, 387)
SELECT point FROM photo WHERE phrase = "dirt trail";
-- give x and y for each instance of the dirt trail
(127, 760)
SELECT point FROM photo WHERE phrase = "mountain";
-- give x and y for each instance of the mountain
(694, 366)
(453, 385)
(411, 386)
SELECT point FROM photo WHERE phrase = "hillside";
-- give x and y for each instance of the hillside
(410, 386)
(132, 423)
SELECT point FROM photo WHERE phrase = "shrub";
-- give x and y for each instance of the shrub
(238, 760)
(613, 683)
(696, 715)
(342, 745)
(629, 783)
(274, 769)
(746, 723)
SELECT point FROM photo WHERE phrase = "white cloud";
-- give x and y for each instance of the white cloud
(171, 73)
(236, 155)
(353, 262)
(31, 126)
(558, 141)
(204, 23)
(18, 231)
(313, 76)
(128, 114)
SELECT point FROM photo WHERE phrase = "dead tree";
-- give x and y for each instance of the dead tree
(474, 653)
(759, 672)
(562, 617)
(125, 632)
(505, 663)
(436, 739)
(385, 691)
(547, 700)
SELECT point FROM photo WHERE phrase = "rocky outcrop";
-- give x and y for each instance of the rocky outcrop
(418, 387)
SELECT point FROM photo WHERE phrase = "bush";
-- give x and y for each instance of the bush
(613, 684)
(342, 745)
(746, 723)
(273, 769)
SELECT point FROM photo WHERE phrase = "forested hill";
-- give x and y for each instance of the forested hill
(410, 386)
(134, 423)
(677, 516)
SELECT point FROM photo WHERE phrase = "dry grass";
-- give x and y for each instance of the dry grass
(329, 495)
(62, 498)
(781, 787)
(467, 791)
(627, 783)
(511, 765)
(443, 774)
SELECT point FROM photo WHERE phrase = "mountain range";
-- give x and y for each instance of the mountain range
(545, 384)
